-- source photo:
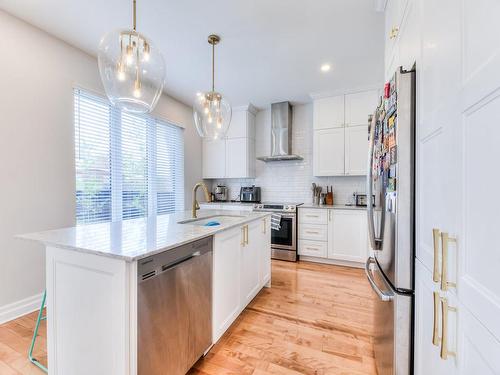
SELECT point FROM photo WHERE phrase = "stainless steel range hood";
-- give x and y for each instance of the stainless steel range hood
(281, 134)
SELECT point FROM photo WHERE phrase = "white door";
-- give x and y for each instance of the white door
(328, 148)
(214, 158)
(265, 251)
(359, 106)
(429, 329)
(479, 350)
(250, 262)
(347, 236)
(356, 150)
(328, 112)
(226, 280)
(478, 245)
(237, 158)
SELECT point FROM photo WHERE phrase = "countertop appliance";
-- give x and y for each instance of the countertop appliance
(391, 175)
(221, 193)
(174, 303)
(250, 194)
(281, 134)
(284, 240)
(361, 200)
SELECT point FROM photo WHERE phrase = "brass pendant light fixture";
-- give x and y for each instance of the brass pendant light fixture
(212, 112)
(132, 69)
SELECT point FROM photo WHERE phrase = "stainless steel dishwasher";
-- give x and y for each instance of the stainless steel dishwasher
(174, 308)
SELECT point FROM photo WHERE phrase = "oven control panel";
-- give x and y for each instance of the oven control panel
(275, 207)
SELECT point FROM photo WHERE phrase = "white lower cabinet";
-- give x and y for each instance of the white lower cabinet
(347, 236)
(335, 234)
(429, 328)
(250, 262)
(226, 280)
(442, 320)
(242, 266)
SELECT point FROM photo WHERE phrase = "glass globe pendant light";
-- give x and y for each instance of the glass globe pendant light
(132, 69)
(212, 112)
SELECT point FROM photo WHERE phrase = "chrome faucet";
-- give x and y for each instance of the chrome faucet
(196, 206)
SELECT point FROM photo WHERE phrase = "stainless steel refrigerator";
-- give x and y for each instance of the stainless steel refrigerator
(391, 177)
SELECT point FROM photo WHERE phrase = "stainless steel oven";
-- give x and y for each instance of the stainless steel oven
(284, 239)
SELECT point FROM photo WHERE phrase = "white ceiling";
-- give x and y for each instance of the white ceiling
(271, 50)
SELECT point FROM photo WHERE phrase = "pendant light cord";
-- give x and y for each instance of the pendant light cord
(134, 20)
(213, 66)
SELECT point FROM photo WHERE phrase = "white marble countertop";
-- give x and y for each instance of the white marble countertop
(135, 239)
(335, 206)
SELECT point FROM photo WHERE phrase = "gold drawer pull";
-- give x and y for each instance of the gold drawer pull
(445, 239)
(435, 329)
(312, 232)
(264, 224)
(435, 270)
(445, 308)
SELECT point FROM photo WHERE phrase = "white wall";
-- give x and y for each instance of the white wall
(290, 181)
(37, 186)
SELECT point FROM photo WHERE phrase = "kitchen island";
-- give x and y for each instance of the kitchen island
(93, 282)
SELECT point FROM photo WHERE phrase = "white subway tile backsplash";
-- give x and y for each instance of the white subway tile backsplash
(290, 181)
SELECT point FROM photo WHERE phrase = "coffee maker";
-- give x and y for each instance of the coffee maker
(221, 193)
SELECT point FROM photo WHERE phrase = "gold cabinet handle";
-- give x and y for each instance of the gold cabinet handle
(246, 234)
(243, 235)
(445, 239)
(435, 271)
(445, 308)
(329, 215)
(312, 232)
(435, 329)
(264, 225)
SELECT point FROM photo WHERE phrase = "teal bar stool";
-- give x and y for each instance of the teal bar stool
(35, 334)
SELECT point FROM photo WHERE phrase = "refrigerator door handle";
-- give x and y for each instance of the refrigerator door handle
(374, 242)
(384, 296)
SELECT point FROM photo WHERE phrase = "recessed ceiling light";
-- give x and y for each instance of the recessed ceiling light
(325, 67)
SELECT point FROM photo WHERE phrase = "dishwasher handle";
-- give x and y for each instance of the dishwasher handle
(167, 267)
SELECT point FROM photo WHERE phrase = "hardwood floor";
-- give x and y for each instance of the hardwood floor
(315, 320)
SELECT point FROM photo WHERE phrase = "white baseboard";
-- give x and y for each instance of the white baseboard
(15, 310)
(344, 263)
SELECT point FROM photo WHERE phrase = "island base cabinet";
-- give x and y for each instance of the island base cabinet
(226, 280)
(242, 266)
(89, 314)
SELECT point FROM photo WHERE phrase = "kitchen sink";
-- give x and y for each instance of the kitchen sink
(212, 221)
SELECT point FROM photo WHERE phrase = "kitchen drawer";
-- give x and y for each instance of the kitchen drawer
(313, 232)
(313, 248)
(313, 216)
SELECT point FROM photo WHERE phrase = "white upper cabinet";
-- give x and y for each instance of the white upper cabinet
(214, 158)
(242, 124)
(356, 150)
(328, 152)
(234, 156)
(340, 144)
(393, 17)
(359, 106)
(328, 112)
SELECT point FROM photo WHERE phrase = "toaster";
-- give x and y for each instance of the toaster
(250, 194)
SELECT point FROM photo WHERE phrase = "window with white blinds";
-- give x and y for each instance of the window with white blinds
(127, 165)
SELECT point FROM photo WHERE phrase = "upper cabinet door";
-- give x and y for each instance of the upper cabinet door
(329, 112)
(239, 125)
(328, 158)
(214, 158)
(359, 106)
(356, 150)
(394, 11)
(238, 153)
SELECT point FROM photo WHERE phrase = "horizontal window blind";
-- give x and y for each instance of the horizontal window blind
(127, 165)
